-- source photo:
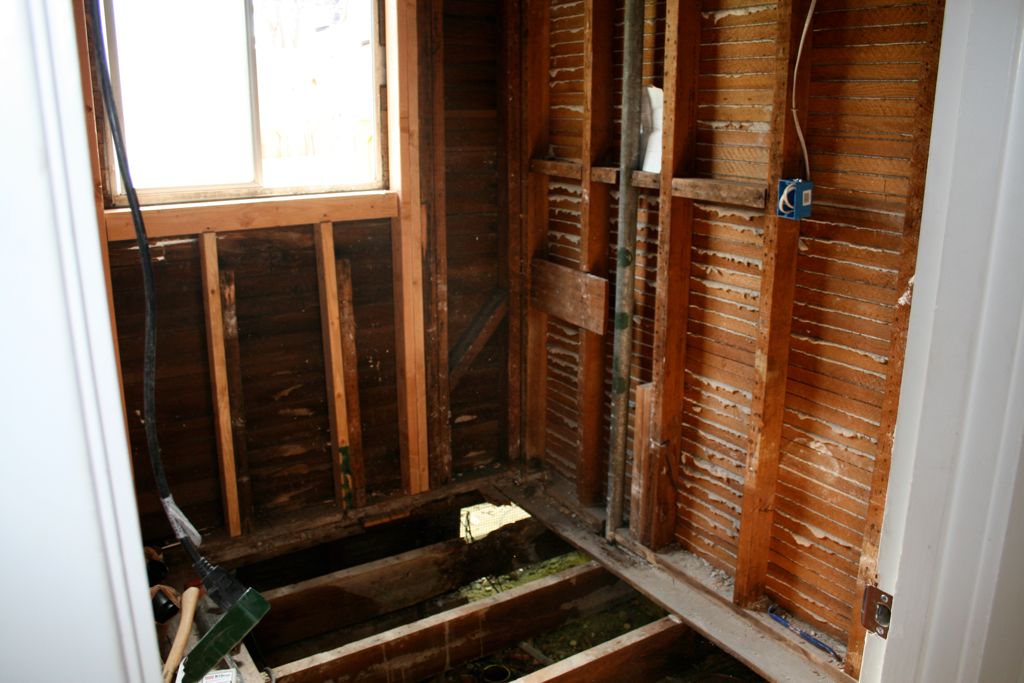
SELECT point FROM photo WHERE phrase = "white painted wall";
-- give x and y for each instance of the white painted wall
(953, 539)
(74, 603)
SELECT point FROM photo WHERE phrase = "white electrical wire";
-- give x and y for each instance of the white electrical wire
(786, 198)
(796, 70)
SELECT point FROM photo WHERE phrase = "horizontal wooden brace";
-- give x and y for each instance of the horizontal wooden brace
(608, 175)
(720, 191)
(572, 170)
(646, 180)
(753, 195)
(179, 220)
(578, 298)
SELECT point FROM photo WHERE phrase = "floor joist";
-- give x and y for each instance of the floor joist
(324, 612)
(644, 654)
(430, 646)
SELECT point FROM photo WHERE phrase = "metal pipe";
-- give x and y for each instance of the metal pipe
(622, 354)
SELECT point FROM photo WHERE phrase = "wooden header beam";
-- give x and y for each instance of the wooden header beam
(556, 168)
(180, 220)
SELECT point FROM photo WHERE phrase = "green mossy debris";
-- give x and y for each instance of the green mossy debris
(492, 585)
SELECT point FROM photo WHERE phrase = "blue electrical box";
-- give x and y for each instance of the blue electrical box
(795, 198)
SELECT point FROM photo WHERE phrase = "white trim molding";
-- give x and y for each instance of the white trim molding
(76, 602)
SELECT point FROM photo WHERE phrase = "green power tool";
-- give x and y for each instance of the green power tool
(237, 621)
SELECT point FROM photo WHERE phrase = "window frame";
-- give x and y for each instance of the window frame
(115, 199)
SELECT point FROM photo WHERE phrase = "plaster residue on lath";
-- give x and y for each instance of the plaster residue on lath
(724, 281)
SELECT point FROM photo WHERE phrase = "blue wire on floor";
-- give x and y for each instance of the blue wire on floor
(821, 645)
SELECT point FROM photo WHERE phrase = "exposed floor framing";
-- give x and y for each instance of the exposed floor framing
(670, 581)
(396, 618)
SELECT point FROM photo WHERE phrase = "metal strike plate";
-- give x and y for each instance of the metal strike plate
(876, 611)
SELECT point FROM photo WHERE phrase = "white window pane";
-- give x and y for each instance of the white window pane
(317, 100)
(183, 72)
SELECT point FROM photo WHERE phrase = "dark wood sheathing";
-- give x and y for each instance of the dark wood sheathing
(281, 362)
(284, 416)
(184, 407)
(279, 331)
(473, 174)
(282, 367)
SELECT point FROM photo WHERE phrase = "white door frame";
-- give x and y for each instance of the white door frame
(952, 546)
(76, 600)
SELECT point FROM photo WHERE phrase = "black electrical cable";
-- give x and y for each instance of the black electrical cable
(149, 289)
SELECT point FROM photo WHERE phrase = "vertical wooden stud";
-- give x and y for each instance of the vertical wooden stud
(771, 358)
(511, 203)
(349, 364)
(219, 381)
(334, 374)
(432, 97)
(771, 355)
(642, 494)
(594, 229)
(535, 124)
(232, 353)
(675, 220)
(407, 241)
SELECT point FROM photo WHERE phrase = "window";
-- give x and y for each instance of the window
(240, 98)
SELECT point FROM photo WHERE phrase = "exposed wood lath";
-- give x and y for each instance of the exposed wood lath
(478, 278)
(770, 351)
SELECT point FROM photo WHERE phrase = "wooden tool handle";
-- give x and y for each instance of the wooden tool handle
(189, 600)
